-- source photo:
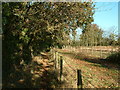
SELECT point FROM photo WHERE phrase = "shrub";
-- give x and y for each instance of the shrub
(115, 57)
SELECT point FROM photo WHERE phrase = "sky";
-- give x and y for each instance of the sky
(119, 19)
(106, 17)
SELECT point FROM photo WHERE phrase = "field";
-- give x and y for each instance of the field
(44, 72)
(96, 72)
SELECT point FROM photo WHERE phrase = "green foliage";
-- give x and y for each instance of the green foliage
(111, 40)
(92, 36)
(114, 58)
(32, 28)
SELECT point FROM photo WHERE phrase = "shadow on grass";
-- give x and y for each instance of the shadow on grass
(114, 58)
(32, 76)
(106, 63)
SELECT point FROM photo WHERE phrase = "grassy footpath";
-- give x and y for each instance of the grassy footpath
(95, 73)
(39, 73)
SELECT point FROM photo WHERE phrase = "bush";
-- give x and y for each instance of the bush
(115, 57)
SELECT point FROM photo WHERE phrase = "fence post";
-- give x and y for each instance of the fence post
(100, 53)
(79, 79)
(92, 50)
(58, 60)
(55, 60)
(61, 67)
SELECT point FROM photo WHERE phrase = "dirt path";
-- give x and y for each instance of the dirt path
(94, 75)
(37, 74)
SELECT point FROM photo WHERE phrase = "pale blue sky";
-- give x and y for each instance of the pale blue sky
(119, 19)
(106, 16)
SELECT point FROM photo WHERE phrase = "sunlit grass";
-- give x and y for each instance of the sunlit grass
(96, 73)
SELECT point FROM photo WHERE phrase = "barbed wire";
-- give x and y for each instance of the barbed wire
(69, 73)
(70, 76)
(71, 69)
(70, 66)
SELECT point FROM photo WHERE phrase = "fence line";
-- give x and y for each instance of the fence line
(59, 64)
(97, 51)
(74, 75)
(70, 66)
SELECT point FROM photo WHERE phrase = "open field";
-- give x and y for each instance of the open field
(96, 72)
(40, 73)
(95, 48)
(94, 51)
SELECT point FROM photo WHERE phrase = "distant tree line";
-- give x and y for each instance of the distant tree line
(93, 36)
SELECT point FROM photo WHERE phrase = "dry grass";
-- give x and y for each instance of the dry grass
(37, 74)
(95, 73)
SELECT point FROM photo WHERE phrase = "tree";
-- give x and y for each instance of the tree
(92, 36)
(39, 26)
(112, 39)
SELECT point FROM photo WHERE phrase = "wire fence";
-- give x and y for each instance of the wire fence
(68, 74)
(69, 71)
(96, 51)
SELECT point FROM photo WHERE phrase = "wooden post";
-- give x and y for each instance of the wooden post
(55, 60)
(101, 53)
(58, 61)
(61, 67)
(79, 79)
(92, 50)
(81, 49)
